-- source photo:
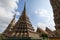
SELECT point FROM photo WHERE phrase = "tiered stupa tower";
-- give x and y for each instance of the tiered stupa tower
(10, 26)
(22, 28)
(56, 9)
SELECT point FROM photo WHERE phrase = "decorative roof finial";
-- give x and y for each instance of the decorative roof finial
(24, 10)
(15, 15)
(24, 3)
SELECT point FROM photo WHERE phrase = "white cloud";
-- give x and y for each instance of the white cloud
(42, 12)
(7, 9)
(18, 13)
(35, 28)
(48, 18)
(42, 25)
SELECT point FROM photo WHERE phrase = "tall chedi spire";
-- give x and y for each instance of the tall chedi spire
(23, 25)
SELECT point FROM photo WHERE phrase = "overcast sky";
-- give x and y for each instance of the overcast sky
(39, 12)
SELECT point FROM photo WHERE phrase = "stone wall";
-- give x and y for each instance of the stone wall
(56, 10)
